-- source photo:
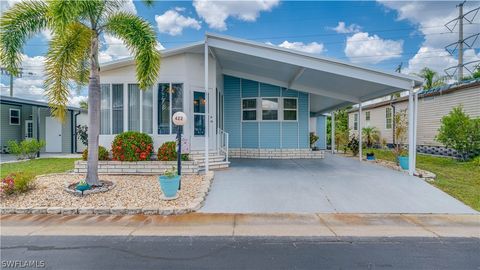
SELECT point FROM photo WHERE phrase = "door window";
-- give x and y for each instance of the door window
(199, 113)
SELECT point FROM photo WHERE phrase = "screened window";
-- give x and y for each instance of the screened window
(249, 109)
(170, 101)
(269, 109)
(147, 111)
(388, 118)
(14, 117)
(289, 109)
(105, 109)
(199, 103)
(133, 107)
(367, 116)
(117, 108)
(355, 121)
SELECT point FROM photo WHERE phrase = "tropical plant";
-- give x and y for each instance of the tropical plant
(168, 152)
(171, 173)
(132, 146)
(102, 154)
(460, 132)
(82, 132)
(400, 133)
(431, 78)
(83, 104)
(353, 145)
(18, 182)
(77, 27)
(371, 136)
(341, 129)
(26, 148)
(313, 139)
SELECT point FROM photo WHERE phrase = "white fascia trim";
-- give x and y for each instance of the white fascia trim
(312, 62)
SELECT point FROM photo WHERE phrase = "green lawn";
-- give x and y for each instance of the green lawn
(459, 179)
(38, 166)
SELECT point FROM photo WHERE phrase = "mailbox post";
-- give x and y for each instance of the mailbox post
(179, 119)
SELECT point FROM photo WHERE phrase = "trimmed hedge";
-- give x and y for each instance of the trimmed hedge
(168, 152)
(132, 146)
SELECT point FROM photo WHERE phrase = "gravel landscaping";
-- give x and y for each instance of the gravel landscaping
(132, 194)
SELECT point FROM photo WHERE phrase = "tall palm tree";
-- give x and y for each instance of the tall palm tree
(431, 78)
(73, 51)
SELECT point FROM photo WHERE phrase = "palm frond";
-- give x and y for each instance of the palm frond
(140, 38)
(17, 25)
(66, 54)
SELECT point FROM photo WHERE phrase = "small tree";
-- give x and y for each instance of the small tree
(353, 145)
(371, 135)
(82, 132)
(401, 128)
(459, 132)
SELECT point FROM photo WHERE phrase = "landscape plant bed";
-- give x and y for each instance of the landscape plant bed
(133, 194)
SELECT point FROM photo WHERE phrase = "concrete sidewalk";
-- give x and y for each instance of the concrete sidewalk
(197, 224)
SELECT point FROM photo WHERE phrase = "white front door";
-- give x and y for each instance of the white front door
(53, 135)
(28, 129)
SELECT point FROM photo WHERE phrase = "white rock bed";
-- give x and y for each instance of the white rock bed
(131, 191)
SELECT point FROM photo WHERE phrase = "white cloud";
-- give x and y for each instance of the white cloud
(312, 47)
(215, 13)
(75, 100)
(173, 23)
(129, 6)
(429, 17)
(342, 28)
(363, 48)
(114, 49)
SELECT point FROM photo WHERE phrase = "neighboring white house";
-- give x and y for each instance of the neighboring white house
(259, 101)
(433, 104)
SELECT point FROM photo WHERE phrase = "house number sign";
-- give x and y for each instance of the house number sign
(179, 118)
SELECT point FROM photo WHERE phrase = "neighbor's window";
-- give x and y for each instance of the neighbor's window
(14, 117)
(105, 109)
(388, 118)
(355, 121)
(170, 101)
(269, 109)
(367, 116)
(289, 109)
(249, 109)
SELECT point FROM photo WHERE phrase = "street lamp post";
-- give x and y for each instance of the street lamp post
(179, 119)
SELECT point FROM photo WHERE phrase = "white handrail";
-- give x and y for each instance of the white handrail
(222, 142)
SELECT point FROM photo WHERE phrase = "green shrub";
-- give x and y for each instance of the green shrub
(26, 148)
(476, 161)
(353, 145)
(132, 146)
(313, 139)
(168, 152)
(102, 154)
(18, 182)
(460, 132)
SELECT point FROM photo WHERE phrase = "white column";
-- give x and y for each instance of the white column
(360, 137)
(411, 132)
(206, 104)
(333, 132)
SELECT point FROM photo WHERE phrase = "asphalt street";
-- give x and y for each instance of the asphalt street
(102, 252)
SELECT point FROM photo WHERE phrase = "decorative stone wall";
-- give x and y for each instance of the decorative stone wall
(436, 150)
(139, 167)
(274, 153)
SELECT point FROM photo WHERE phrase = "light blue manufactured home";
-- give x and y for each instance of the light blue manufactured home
(242, 99)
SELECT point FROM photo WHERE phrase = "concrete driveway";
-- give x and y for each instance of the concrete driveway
(333, 184)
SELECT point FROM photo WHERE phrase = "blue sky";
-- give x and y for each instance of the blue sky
(370, 33)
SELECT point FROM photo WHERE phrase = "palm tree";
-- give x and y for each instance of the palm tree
(431, 78)
(371, 135)
(73, 51)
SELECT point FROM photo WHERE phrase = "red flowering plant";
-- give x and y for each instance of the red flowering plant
(168, 152)
(18, 182)
(132, 146)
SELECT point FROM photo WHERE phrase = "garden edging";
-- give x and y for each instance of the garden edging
(194, 206)
(136, 167)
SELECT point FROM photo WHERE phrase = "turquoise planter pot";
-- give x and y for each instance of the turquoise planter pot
(403, 160)
(82, 188)
(169, 185)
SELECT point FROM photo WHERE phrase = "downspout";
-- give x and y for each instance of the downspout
(393, 123)
(75, 144)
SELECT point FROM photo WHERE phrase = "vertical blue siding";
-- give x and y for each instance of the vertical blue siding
(249, 88)
(270, 135)
(250, 135)
(232, 118)
(303, 121)
(321, 132)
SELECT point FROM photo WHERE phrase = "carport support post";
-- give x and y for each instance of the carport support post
(206, 103)
(411, 133)
(333, 132)
(360, 139)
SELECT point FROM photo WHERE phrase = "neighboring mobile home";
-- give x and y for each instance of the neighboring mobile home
(22, 119)
(433, 104)
(258, 103)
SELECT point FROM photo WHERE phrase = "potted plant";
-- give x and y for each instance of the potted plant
(313, 139)
(400, 134)
(370, 156)
(170, 182)
(82, 186)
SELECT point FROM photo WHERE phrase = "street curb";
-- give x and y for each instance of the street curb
(194, 206)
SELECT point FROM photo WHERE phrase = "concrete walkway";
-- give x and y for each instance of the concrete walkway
(332, 185)
(196, 224)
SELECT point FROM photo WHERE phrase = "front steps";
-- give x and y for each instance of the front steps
(216, 161)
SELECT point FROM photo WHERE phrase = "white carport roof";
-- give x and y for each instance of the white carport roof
(331, 83)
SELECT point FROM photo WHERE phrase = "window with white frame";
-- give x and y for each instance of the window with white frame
(388, 118)
(355, 121)
(367, 118)
(169, 101)
(15, 117)
(269, 109)
(249, 109)
(117, 108)
(290, 109)
(105, 108)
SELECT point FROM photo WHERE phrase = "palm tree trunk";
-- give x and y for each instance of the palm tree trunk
(93, 114)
